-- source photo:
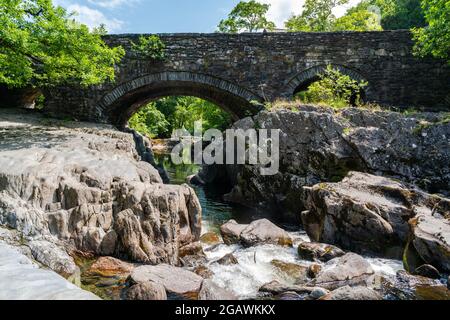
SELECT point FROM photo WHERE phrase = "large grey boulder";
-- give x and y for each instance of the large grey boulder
(264, 232)
(348, 270)
(87, 186)
(23, 279)
(364, 212)
(178, 281)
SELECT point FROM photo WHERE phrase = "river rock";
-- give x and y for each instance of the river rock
(289, 296)
(177, 281)
(364, 212)
(109, 267)
(228, 259)
(350, 269)
(264, 232)
(313, 251)
(275, 287)
(231, 232)
(352, 293)
(318, 293)
(211, 291)
(86, 185)
(431, 237)
(428, 271)
(406, 286)
(146, 291)
(204, 272)
(293, 271)
(313, 270)
(210, 238)
(192, 249)
(54, 257)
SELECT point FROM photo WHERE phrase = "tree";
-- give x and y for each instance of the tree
(41, 45)
(149, 121)
(317, 15)
(247, 17)
(357, 20)
(399, 14)
(435, 38)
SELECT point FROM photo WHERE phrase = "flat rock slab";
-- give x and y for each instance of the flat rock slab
(22, 279)
(176, 280)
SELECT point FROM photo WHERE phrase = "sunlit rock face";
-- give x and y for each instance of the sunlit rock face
(84, 187)
(319, 144)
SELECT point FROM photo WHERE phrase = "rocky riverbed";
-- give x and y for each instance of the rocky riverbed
(87, 202)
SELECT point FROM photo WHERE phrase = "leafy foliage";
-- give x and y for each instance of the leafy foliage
(334, 89)
(247, 17)
(160, 118)
(435, 38)
(317, 15)
(151, 47)
(358, 20)
(41, 45)
(399, 14)
(149, 121)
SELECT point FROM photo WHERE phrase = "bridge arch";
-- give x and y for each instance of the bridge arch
(302, 80)
(124, 100)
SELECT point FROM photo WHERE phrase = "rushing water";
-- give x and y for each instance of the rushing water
(254, 268)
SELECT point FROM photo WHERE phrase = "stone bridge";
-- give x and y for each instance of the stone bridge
(235, 71)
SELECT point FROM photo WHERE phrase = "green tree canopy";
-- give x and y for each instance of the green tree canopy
(41, 45)
(247, 17)
(360, 19)
(399, 14)
(317, 15)
(160, 118)
(435, 38)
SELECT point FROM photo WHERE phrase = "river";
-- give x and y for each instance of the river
(254, 268)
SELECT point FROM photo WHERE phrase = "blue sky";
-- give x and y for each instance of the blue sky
(159, 16)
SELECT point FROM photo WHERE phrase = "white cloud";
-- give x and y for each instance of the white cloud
(94, 18)
(281, 10)
(111, 4)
